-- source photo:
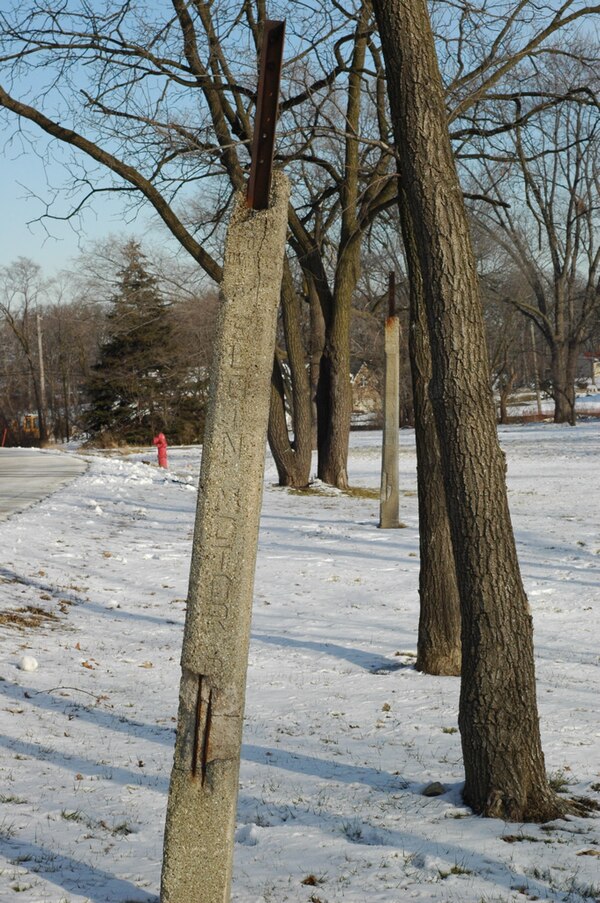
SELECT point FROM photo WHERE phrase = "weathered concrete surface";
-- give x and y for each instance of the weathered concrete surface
(29, 475)
(389, 499)
(200, 825)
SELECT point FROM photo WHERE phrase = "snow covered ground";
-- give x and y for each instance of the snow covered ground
(525, 405)
(342, 734)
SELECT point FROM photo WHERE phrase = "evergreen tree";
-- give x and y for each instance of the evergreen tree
(130, 387)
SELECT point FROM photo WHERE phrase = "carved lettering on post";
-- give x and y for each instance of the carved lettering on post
(220, 593)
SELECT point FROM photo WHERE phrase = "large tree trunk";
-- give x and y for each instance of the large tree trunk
(334, 391)
(563, 368)
(317, 345)
(291, 468)
(439, 637)
(292, 456)
(504, 765)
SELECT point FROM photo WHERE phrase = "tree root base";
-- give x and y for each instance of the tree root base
(438, 666)
(544, 808)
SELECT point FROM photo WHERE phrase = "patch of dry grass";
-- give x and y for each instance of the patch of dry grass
(323, 489)
(28, 618)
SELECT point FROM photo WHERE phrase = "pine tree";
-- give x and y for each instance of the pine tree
(130, 386)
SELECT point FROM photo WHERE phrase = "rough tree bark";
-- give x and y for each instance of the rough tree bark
(563, 366)
(439, 636)
(334, 392)
(504, 765)
(292, 456)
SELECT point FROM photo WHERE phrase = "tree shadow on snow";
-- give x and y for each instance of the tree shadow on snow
(420, 850)
(61, 594)
(157, 733)
(77, 877)
(375, 664)
(327, 769)
(79, 764)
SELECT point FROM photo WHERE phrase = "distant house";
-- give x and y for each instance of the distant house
(588, 369)
(367, 402)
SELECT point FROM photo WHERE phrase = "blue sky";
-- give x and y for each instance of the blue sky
(27, 173)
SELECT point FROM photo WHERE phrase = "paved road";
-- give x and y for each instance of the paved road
(28, 475)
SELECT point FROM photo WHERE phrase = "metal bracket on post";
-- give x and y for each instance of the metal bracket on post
(392, 295)
(263, 145)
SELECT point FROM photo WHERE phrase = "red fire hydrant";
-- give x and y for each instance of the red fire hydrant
(161, 447)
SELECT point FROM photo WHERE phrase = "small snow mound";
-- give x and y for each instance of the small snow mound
(359, 832)
(28, 663)
(247, 834)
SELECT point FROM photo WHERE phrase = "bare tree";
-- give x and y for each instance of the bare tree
(72, 330)
(15, 387)
(165, 106)
(544, 173)
(22, 290)
(144, 82)
(504, 763)
(478, 50)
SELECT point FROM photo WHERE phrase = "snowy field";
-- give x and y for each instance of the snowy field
(587, 404)
(342, 734)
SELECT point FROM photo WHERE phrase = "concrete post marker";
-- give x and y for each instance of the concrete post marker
(199, 833)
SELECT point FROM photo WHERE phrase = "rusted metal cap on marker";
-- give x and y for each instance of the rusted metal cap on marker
(263, 145)
(392, 295)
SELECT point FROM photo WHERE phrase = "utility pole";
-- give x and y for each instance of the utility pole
(389, 497)
(42, 411)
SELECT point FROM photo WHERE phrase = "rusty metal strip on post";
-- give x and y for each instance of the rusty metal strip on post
(392, 295)
(263, 145)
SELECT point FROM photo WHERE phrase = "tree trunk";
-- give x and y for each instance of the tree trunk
(334, 391)
(505, 392)
(41, 396)
(65, 394)
(317, 345)
(439, 638)
(292, 457)
(439, 641)
(290, 466)
(563, 367)
(505, 775)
